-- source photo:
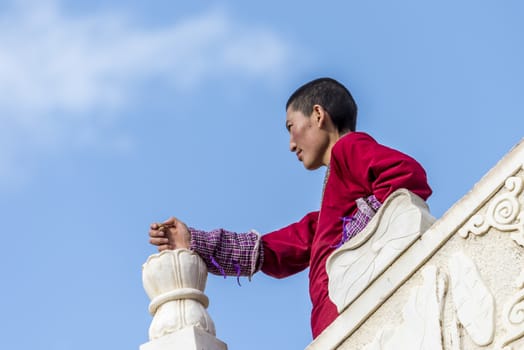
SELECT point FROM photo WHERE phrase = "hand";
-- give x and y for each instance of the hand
(171, 234)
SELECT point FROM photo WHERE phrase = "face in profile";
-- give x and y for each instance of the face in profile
(307, 139)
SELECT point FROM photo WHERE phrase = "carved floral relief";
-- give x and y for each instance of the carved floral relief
(473, 310)
(503, 213)
(513, 315)
(422, 315)
(473, 302)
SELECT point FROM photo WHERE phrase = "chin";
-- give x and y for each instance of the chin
(312, 166)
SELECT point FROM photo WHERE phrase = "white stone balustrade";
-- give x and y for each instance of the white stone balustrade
(351, 268)
(175, 281)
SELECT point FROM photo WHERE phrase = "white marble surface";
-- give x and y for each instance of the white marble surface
(513, 315)
(175, 281)
(420, 328)
(398, 223)
(189, 338)
(472, 299)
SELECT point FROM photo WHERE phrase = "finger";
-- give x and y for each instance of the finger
(164, 247)
(157, 233)
(159, 241)
(171, 221)
(154, 226)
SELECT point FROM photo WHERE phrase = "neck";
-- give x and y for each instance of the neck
(333, 138)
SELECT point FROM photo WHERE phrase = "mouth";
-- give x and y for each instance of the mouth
(299, 155)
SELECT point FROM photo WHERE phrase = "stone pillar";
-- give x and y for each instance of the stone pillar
(175, 281)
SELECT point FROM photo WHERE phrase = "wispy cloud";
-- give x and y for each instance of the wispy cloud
(55, 68)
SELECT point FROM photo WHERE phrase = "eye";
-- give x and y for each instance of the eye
(288, 126)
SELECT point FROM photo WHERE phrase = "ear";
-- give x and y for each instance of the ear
(320, 116)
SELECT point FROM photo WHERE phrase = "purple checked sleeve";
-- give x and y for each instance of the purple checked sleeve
(228, 253)
(352, 225)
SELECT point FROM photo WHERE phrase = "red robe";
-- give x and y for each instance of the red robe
(359, 167)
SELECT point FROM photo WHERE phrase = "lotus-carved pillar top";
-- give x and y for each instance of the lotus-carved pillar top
(175, 281)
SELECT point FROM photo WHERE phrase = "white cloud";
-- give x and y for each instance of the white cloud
(55, 68)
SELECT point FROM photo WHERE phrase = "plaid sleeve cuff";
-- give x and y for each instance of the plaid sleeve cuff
(228, 253)
(352, 225)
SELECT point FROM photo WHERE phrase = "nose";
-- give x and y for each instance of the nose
(292, 145)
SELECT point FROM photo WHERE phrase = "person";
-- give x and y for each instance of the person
(360, 174)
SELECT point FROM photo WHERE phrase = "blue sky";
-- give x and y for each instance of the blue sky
(115, 114)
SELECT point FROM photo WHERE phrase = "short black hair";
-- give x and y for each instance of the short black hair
(334, 97)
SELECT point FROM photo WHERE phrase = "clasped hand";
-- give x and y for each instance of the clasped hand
(171, 234)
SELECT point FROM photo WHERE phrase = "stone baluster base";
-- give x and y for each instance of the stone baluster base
(189, 338)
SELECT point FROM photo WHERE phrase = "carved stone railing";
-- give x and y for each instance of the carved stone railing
(458, 285)
(175, 281)
(397, 225)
